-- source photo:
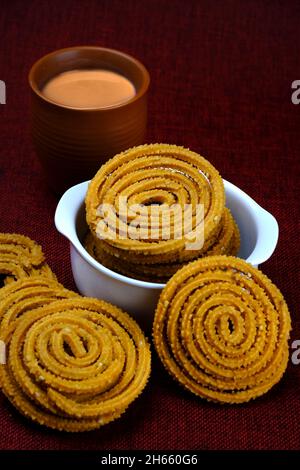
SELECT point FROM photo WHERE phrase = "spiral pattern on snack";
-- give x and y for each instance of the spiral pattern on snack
(21, 257)
(157, 189)
(73, 364)
(20, 297)
(157, 175)
(221, 329)
(227, 241)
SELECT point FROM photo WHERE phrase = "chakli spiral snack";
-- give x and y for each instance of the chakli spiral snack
(228, 239)
(73, 364)
(157, 176)
(21, 257)
(221, 329)
(227, 242)
(20, 297)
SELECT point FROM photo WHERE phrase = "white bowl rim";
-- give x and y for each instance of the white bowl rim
(75, 241)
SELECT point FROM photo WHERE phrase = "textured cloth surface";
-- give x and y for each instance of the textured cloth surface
(221, 76)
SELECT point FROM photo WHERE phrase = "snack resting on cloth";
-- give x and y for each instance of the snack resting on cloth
(22, 296)
(141, 183)
(221, 329)
(73, 364)
(21, 257)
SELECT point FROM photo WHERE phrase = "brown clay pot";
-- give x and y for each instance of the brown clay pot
(72, 143)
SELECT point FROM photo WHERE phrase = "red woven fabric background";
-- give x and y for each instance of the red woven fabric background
(221, 84)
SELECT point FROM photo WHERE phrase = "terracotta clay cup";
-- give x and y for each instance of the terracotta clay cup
(72, 143)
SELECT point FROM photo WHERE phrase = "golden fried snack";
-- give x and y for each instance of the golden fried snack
(156, 175)
(14, 246)
(74, 364)
(148, 273)
(227, 242)
(235, 242)
(21, 257)
(44, 270)
(221, 329)
(24, 295)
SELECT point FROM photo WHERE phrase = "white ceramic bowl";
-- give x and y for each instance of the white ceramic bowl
(259, 235)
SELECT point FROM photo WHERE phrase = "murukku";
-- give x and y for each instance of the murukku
(73, 364)
(21, 257)
(24, 295)
(157, 177)
(221, 329)
(227, 242)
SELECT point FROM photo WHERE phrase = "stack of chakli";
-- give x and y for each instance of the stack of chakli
(156, 177)
(71, 363)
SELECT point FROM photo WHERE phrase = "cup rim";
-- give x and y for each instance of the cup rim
(129, 57)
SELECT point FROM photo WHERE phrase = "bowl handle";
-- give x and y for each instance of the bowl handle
(67, 209)
(267, 237)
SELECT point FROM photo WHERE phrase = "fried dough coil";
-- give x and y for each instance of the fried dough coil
(221, 329)
(155, 174)
(73, 364)
(21, 257)
(227, 242)
(24, 295)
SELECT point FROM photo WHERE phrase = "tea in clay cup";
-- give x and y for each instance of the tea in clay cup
(72, 140)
